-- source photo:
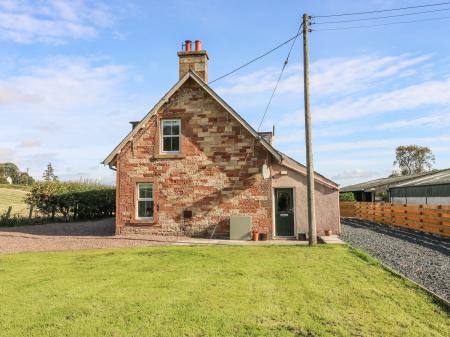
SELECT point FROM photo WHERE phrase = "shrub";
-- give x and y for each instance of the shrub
(347, 196)
(78, 200)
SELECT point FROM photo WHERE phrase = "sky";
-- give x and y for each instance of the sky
(74, 73)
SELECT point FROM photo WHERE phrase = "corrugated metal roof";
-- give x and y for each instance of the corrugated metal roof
(390, 181)
(435, 178)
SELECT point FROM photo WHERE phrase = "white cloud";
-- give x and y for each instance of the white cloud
(334, 76)
(434, 120)
(67, 119)
(355, 174)
(368, 145)
(30, 143)
(62, 82)
(6, 154)
(410, 97)
(51, 21)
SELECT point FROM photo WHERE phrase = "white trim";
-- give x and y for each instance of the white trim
(138, 198)
(294, 208)
(161, 135)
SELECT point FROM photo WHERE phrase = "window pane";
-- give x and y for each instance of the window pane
(166, 128)
(175, 144)
(145, 190)
(145, 209)
(175, 129)
(167, 144)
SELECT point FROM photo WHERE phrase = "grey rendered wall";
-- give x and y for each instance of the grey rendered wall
(327, 201)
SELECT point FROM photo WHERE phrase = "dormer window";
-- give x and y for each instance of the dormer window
(170, 135)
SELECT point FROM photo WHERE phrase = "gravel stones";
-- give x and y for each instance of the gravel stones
(422, 257)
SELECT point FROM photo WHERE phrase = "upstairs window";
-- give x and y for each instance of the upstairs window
(170, 135)
(145, 201)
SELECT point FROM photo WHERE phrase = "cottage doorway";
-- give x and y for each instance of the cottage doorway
(284, 212)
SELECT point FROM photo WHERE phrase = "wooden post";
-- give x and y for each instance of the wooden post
(308, 138)
(30, 215)
(8, 212)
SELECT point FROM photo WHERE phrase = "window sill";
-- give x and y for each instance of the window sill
(142, 222)
(170, 156)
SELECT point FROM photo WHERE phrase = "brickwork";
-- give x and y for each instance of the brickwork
(205, 178)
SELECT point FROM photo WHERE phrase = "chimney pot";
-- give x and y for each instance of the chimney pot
(193, 60)
(198, 45)
(188, 45)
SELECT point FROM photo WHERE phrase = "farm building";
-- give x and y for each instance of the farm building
(432, 188)
(367, 191)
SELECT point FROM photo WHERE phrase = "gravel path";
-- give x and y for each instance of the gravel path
(70, 236)
(424, 258)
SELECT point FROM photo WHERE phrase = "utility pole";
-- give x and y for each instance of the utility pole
(309, 152)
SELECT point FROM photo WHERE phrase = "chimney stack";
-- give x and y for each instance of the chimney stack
(195, 60)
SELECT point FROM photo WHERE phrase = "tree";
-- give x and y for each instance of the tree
(49, 173)
(12, 170)
(412, 159)
(9, 170)
(24, 179)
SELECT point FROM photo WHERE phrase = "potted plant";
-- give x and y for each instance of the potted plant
(262, 236)
(327, 232)
(255, 234)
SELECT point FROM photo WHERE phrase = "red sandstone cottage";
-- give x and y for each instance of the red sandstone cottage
(192, 162)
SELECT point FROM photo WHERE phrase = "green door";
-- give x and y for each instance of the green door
(284, 212)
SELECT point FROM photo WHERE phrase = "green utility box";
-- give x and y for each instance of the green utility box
(240, 227)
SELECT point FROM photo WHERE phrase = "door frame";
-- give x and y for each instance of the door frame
(294, 209)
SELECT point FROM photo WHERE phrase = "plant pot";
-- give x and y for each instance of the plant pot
(327, 232)
(262, 237)
(255, 236)
(302, 236)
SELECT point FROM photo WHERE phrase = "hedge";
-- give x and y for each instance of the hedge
(77, 200)
(347, 196)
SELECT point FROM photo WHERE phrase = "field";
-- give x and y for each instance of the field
(212, 291)
(13, 197)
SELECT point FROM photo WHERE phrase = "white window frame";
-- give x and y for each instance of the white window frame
(178, 121)
(138, 198)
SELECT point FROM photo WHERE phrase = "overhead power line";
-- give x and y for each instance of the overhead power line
(256, 58)
(382, 17)
(382, 24)
(286, 61)
(279, 77)
(383, 10)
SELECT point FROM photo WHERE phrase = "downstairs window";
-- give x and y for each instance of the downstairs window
(144, 201)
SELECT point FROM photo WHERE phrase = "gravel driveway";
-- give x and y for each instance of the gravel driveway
(424, 258)
(69, 236)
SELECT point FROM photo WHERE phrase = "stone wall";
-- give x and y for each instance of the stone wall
(205, 178)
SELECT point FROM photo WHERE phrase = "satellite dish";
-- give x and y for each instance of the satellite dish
(265, 171)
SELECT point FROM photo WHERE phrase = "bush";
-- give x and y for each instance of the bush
(77, 200)
(347, 196)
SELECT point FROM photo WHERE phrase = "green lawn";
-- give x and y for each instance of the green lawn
(211, 291)
(14, 198)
